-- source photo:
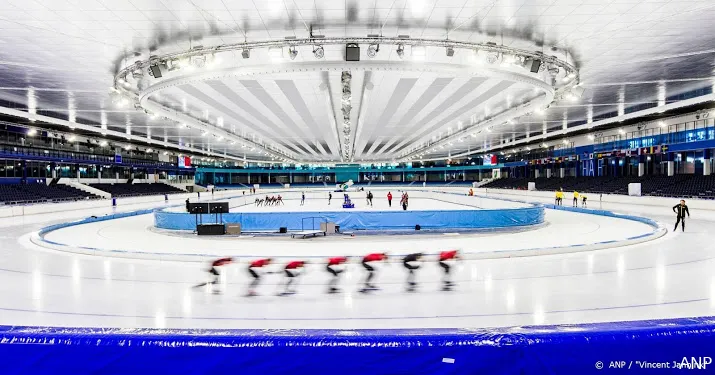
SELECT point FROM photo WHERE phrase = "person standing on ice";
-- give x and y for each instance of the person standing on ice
(330, 197)
(412, 262)
(366, 263)
(254, 269)
(214, 272)
(389, 198)
(369, 198)
(680, 209)
(292, 270)
(445, 258)
(302, 198)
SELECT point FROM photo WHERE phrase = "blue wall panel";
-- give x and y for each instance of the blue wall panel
(361, 220)
(568, 349)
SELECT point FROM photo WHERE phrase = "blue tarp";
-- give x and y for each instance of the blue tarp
(357, 220)
(567, 349)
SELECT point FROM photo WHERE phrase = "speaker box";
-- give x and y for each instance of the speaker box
(352, 52)
(283, 230)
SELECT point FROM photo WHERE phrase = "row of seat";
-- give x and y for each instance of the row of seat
(684, 185)
(30, 193)
(135, 190)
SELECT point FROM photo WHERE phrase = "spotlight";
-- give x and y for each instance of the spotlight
(565, 141)
(492, 57)
(419, 52)
(103, 144)
(372, 50)
(246, 53)
(318, 52)
(450, 51)
(32, 132)
(591, 137)
(401, 50)
(72, 138)
(292, 52)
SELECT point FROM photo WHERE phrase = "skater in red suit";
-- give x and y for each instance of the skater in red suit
(254, 269)
(445, 258)
(389, 198)
(370, 258)
(292, 270)
(214, 272)
(335, 267)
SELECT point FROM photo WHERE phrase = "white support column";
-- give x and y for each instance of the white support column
(706, 167)
(562, 172)
(641, 169)
(536, 173)
(548, 173)
(671, 168)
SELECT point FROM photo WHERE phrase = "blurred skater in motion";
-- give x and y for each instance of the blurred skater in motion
(445, 260)
(369, 198)
(412, 262)
(680, 209)
(330, 197)
(292, 270)
(280, 199)
(215, 274)
(302, 198)
(389, 198)
(366, 263)
(335, 267)
(583, 200)
(255, 269)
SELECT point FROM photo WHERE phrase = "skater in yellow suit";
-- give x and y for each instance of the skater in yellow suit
(559, 197)
(575, 198)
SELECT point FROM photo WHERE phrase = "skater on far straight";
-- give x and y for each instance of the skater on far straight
(445, 258)
(680, 209)
(292, 270)
(302, 198)
(412, 262)
(575, 198)
(335, 267)
(330, 197)
(583, 200)
(371, 258)
(213, 270)
(187, 205)
(389, 198)
(369, 197)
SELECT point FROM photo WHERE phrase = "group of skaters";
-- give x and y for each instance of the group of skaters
(335, 266)
(269, 201)
(560, 198)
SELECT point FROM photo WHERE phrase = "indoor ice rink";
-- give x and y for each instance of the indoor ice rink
(362, 187)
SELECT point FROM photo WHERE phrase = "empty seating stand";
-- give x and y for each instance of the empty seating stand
(685, 185)
(39, 193)
(136, 190)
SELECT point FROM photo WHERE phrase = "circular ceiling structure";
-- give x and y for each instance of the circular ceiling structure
(320, 108)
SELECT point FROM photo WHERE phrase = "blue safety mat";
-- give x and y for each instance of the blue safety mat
(567, 349)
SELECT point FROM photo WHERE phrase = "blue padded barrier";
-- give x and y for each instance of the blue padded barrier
(362, 220)
(563, 349)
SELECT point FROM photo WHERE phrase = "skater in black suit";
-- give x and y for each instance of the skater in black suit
(681, 209)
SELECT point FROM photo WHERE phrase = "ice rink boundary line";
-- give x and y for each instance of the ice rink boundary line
(38, 239)
(421, 317)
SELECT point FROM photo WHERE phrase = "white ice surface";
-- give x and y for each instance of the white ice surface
(668, 277)
(564, 229)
